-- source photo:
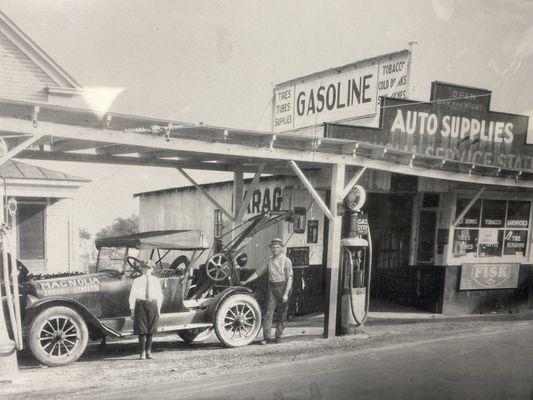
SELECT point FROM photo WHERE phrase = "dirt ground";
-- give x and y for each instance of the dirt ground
(118, 366)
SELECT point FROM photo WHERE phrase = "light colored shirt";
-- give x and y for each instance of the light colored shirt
(279, 269)
(138, 290)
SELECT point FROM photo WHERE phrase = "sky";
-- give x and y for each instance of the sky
(217, 62)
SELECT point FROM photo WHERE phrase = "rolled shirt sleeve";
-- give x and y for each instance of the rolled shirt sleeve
(288, 268)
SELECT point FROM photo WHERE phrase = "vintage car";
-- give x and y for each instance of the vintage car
(61, 314)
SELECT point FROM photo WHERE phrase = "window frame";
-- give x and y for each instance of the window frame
(420, 208)
(475, 257)
(22, 203)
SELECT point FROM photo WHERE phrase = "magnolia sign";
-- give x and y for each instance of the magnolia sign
(489, 276)
(340, 93)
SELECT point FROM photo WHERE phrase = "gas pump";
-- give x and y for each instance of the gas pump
(356, 262)
(9, 278)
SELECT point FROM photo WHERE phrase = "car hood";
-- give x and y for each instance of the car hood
(69, 285)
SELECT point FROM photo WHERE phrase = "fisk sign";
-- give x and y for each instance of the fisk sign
(340, 93)
(489, 276)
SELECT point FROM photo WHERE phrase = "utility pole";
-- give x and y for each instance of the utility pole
(412, 88)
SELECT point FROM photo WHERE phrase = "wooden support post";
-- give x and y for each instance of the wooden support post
(238, 194)
(334, 250)
(207, 195)
(352, 182)
(251, 188)
(19, 147)
(312, 190)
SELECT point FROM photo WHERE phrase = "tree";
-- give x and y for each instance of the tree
(84, 233)
(121, 226)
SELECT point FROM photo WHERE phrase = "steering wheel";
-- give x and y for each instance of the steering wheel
(135, 265)
(217, 267)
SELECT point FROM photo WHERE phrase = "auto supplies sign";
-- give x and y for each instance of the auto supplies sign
(489, 276)
(340, 94)
(456, 124)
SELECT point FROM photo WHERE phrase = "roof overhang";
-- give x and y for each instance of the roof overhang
(66, 134)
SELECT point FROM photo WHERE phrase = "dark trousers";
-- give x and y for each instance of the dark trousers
(145, 317)
(275, 305)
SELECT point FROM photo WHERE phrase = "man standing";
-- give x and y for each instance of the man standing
(279, 268)
(146, 299)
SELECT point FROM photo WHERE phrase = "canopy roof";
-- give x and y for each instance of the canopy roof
(45, 132)
(169, 239)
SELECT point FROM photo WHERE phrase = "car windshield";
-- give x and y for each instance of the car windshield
(114, 258)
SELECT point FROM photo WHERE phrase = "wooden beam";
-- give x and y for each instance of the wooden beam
(19, 147)
(334, 249)
(469, 205)
(205, 194)
(247, 151)
(311, 189)
(116, 149)
(352, 182)
(238, 194)
(251, 188)
(74, 144)
(120, 160)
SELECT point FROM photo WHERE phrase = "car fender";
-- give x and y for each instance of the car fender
(92, 320)
(219, 298)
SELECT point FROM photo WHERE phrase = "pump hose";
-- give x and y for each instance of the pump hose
(7, 288)
(17, 328)
(367, 279)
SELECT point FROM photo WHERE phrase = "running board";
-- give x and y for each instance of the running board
(123, 326)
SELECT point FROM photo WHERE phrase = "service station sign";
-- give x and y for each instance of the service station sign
(340, 93)
(489, 276)
(456, 124)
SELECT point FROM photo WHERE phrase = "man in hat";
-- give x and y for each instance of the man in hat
(146, 298)
(279, 268)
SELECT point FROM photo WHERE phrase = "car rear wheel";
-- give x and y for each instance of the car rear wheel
(58, 336)
(238, 320)
(195, 334)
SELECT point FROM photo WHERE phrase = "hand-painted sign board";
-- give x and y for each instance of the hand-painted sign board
(299, 256)
(489, 276)
(341, 93)
(455, 125)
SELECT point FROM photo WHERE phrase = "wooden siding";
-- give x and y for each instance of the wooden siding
(20, 78)
(189, 209)
(57, 242)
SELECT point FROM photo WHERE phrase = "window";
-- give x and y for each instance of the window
(112, 258)
(492, 228)
(30, 221)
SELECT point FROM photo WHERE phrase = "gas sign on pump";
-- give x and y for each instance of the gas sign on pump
(356, 260)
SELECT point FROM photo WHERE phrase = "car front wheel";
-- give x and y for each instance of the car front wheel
(238, 320)
(58, 336)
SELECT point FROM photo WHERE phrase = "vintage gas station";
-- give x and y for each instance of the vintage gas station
(448, 182)
(43, 132)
